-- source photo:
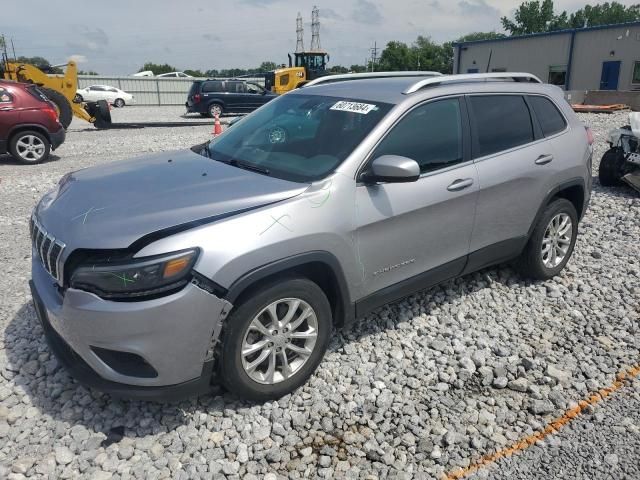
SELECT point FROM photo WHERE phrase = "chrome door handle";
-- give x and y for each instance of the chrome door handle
(460, 184)
(544, 159)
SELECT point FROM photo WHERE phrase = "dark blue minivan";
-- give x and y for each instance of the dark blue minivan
(215, 97)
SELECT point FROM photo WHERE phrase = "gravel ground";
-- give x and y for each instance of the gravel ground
(415, 390)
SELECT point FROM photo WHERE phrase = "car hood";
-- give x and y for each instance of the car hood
(114, 205)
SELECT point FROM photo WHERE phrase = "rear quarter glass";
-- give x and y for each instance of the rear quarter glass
(36, 93)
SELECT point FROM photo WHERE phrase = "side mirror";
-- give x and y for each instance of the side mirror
(392, 169)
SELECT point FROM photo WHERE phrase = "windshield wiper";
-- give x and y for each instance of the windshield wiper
(248, 166)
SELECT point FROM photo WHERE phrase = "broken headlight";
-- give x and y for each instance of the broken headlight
(138, 277)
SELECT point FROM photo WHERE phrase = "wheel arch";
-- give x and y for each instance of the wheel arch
(573, 190)
(27, 127)
(320, 267)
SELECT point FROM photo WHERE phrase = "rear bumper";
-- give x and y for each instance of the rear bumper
(57, 138)
(172, 334)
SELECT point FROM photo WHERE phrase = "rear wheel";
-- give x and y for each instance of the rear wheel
(551, 243)
(611, 168)
(29, 147)
(275, 339)
(118, 103)
(62, 105)
(215, 109)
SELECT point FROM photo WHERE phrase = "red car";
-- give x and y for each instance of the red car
(29, 124)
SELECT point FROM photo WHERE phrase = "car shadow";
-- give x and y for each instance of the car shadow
(6, 159)
(33, 369)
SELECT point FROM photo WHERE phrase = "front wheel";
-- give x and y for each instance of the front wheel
(118, 103)
(551, 243)
(275, 339)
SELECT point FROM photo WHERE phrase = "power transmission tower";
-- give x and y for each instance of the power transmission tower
(374, 55)
(299, 34)
(315, 29)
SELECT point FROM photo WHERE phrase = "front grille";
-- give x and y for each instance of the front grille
(48, 249)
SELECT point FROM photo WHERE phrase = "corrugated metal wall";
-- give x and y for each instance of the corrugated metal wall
(148, 90)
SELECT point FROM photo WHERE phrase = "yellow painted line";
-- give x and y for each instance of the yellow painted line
(621, 379)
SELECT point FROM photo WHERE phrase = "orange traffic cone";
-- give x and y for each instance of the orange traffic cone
(217, 128)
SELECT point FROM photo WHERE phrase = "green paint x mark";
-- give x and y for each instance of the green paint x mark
(124, 278)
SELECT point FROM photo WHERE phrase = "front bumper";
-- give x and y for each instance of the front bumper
(57, 138)
(173, 334)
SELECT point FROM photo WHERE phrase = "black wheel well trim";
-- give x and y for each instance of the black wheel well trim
(28, 126)
(215, 101)
(343, 308)
(574, 182)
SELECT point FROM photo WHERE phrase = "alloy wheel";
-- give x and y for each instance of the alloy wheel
(30, 148)
(557, 240)
(279, 341)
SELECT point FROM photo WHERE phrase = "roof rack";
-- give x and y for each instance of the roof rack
(360, 76)
(470, 77)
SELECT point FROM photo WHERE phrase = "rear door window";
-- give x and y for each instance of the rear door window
(499, 122)
(214, 86)
(550, 119)
(236, 87)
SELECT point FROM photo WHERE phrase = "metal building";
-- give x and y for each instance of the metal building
(586, 59)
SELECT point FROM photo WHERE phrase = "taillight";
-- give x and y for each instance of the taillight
(52, 113)
(196, 98)
(589, 135)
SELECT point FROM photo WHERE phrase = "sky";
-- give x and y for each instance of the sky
(117, 37)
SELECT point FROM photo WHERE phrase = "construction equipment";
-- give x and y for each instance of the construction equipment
(308, 65)
(60, 89)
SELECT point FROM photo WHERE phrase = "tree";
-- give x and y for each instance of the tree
(357, 68)
(194, 73)
(531, 17)
(477, 36)
(604, 14)
(339, 69)
(428, 55)
(267, 66)
(395, 56)
(90, 72)
(157, 68)
(40, 62)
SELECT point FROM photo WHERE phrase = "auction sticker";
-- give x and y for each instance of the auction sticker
(354, 107)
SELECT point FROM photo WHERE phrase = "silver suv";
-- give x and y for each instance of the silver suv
(233, 261)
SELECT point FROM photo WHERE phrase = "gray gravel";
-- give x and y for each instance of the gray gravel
(414, 390)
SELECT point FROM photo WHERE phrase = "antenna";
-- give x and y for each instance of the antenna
(315, 29)
(299, 34)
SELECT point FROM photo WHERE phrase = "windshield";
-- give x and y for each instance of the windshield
(299, 137)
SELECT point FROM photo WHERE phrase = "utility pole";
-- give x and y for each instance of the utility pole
(374, 56)
(299, 34)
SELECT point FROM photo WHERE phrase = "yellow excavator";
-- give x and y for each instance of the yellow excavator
(308, 66)
(60, 89)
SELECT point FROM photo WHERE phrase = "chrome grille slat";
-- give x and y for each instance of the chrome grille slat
(48, 249)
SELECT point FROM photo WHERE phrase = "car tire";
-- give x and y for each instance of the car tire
(65, 113)
(215, 108)
(29, 147)
(118, 103)
(78, 98)
(611, 168)
(249, 377)
(551, 243)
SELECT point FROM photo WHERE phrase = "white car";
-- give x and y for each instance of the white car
(115, 96)
(174, 75)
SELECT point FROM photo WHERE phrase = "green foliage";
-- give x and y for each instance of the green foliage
(42, 63)
(604, 14)
(339, 69)
(535, 17)
(267, 66)
(357, 68)
(477, 36)
(90, 72)
(157, 68)
(194, 73)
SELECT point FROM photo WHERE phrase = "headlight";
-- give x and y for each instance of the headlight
(137, 277)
